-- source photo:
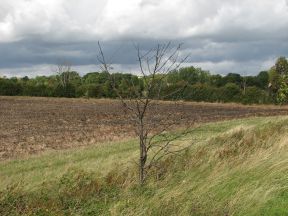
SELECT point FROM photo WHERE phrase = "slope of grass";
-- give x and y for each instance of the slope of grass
(236, 167)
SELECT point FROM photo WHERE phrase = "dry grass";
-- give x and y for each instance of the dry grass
(236, 167)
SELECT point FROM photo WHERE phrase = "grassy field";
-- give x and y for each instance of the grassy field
(236, 167)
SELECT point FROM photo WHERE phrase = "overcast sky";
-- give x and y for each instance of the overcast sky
(243, 36)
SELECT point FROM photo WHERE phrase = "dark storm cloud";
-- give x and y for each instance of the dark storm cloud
(30, 52)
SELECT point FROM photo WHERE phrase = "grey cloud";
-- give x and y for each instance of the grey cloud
(146, 3)
(222, 33)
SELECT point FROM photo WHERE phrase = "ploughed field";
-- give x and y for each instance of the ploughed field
(33, 125)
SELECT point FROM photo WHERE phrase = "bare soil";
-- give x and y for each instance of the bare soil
(33, 125)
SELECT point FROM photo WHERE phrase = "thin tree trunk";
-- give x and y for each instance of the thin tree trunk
(143, 155)
(141, 165)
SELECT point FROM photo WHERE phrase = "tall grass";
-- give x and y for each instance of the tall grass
(235, 167)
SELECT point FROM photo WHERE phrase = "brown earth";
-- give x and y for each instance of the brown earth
(32, 125)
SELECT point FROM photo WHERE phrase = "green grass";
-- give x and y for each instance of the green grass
(34, 171)
(236, 167)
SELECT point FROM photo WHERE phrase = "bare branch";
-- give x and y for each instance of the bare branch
(142, 106)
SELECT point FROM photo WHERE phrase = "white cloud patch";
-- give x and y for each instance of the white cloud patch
(31, 70)
(138, 18)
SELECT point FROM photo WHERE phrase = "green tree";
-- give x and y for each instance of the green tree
(10, 87)
(191, 75)
(281, 66)
(282, 93)
(216, 80)
(254, 95)
(274, 79)
(233, 78)
(262, 79)
(277, 77)
(230, 93)
(200, 92)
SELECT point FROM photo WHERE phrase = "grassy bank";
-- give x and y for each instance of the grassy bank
(236, 167)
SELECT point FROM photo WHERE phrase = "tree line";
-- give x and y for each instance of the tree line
(187, 83)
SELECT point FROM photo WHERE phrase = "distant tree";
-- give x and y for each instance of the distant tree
(282, 93)
(230, 93)
(96, 78)
(274, 79)
(263, 79)
(91, 78)
(281, 66)
(216, 80)
(63, 70)
(25, 78)
(197, 84)
(68, 80)
(191, 75)
(10, 87)
(277, 78)
(244, 81)
(94, 90)
(200, 92)
(254, 95)
(233, 78)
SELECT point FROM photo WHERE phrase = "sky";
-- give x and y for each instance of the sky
(222, 36)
